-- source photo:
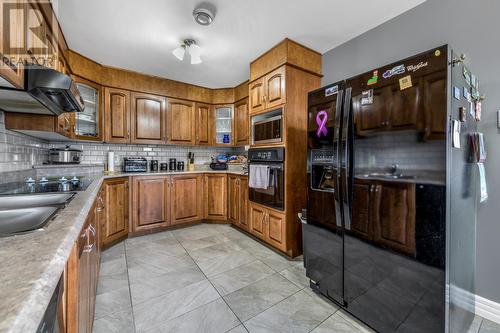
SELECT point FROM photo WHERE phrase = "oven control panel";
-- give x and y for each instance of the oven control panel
(267, 154)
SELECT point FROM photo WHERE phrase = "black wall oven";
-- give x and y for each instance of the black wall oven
(273, 193)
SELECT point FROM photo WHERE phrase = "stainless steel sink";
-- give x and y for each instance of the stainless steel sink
(34, 200)
(14, 221)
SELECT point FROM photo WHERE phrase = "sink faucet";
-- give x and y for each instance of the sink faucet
(394, 168)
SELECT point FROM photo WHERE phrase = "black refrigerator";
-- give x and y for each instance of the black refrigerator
(389, 231)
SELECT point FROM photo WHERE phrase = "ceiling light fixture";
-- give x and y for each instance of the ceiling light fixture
(189, 46)
(204, 15)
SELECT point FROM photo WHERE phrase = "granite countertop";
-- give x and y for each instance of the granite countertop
(32, 263)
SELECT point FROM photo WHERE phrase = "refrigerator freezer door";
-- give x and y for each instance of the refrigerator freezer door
(322, 235)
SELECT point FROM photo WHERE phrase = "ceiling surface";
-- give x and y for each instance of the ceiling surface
(140, 35)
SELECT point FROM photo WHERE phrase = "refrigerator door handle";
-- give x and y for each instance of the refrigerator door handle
(345, 164)
(337, 155)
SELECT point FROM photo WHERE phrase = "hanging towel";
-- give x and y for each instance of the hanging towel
(259, 176)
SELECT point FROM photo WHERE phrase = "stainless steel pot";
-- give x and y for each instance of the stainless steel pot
(65, 155)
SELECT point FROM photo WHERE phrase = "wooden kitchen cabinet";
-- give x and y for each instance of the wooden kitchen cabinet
(11, 51)
(149, 118)
(268, 225)
(275, 88)
(88, 125)
(181, 121)
(394, 220)
(113, 206)
(65, 124)
(186, 198)
(384, 213)
(215, 197)
(117, 115)
(435, 105)
(204, 124)
(241, 122)
(406, 106)
(256, 95)
(238, 200)
(150, 202)
(268, 91)
(375, 116)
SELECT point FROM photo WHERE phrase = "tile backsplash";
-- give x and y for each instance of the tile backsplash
(403, 148)
(97, 153)
(18, 151)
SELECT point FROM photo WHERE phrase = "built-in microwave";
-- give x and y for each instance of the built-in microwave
(268, 127)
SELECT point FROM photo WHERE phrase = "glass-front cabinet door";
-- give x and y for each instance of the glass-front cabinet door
(88, 124)
(223, 124)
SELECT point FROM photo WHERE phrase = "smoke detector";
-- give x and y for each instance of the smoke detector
(203, 15)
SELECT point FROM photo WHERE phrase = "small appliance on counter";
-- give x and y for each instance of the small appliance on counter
(180, 166)
(66, 155)
(135, 164)
(153, 165)
(219, 163)
(163, 166)
(172, 164)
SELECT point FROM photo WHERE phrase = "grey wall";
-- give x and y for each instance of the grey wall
(471, 27)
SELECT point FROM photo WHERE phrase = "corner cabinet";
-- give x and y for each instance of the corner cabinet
(223, 125)
(148, 118)
(181, 121)
(88, 125)
(117, 115)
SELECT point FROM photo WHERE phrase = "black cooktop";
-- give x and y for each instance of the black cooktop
(51, 185)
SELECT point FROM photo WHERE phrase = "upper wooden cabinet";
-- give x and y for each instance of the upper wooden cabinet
(186, 198)
(148, 118)
(117, 115)
(204, 124)
(222, 116)
(215, 197)
(435, 105)
(88, 125)
(113, 200)
(241, 122)
(256, 95)
(268, 91)
(181, 121)
(11, 50)
(150, 202)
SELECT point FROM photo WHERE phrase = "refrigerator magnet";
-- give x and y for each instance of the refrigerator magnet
(456, 93)
(405, 82)
(456, 134)
(472, 109)
(367, 97)
(478, 111)
(462, 114)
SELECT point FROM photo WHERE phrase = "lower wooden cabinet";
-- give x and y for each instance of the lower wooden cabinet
(384, 213)
(238, 200)
(113, 210)
(82, 275)
(186, 198)
(215, 197)
(268, 225)
(150, 202)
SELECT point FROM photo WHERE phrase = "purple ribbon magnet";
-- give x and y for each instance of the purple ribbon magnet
(321, 119)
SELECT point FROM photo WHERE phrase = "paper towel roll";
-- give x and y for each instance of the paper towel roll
(111, 161)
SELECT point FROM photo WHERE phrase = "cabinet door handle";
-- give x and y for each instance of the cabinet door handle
(88, 248)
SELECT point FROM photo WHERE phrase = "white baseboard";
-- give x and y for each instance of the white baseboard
(481, 306)
(488, 309)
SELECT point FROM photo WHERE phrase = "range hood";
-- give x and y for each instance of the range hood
(46, 92)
